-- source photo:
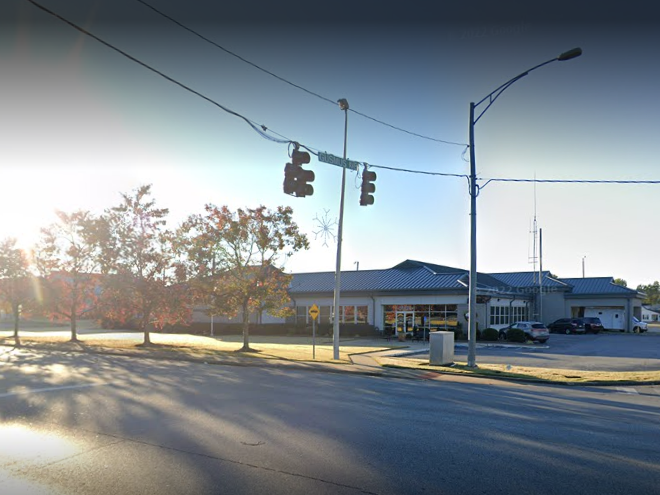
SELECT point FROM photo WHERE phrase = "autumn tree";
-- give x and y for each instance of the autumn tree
(139, 265)
(15, 280)
(67, 257)
(652, 292)
(236, 259)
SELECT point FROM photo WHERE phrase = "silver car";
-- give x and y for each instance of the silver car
(639, 326)
(534, 330)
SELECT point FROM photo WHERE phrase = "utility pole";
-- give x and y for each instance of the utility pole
(343, 105)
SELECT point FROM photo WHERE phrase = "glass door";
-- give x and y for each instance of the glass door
(405, 320)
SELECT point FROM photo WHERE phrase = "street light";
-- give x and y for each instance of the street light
(343, 105)
(474, 192)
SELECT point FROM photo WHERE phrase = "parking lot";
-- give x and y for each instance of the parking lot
(602, 352)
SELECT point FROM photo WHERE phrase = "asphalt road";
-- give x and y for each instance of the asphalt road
(85, 424)
(601, 352)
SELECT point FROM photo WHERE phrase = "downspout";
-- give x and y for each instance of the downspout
(510, 310)
(373, 311)
(295, 309)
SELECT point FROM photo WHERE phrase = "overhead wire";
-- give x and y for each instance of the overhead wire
(317, 95)
(261, 129)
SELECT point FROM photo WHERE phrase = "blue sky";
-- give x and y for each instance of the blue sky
(81, 124)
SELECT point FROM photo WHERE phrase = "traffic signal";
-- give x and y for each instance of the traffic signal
(368, 187)
(296, 178)
(304, 176)
(290, 178)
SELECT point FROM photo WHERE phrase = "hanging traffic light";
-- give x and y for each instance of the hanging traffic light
(290, 178)
(296, 179)
(368, 187)
(304, 176)
(304, 189)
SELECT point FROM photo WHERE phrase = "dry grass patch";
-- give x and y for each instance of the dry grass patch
(549, 375)
(194, 346)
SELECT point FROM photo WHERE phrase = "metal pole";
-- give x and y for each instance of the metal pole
(541, 275)
(343, 104)
(472, 298)
(213, 281)
(313, 338)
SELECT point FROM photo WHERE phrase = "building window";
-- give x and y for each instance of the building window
(347, 314)
(505, 315)
(301, 315)
(423, 316)
(362, 315)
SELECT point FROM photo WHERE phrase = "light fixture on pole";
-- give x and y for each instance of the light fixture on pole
(474, 192)
(343, 105)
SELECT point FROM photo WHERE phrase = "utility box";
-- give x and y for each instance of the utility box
(441, 348)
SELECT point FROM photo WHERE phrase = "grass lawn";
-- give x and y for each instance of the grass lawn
(55, 337)
(225, 349)
(549, 375)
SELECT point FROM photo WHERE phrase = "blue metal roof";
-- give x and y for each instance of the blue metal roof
(392, 279)
(597, 285)
(412, 275)
(527, 279)
(407, 276)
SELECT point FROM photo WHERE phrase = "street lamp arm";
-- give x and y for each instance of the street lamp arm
(493, 95)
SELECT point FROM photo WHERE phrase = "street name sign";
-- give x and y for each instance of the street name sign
(335, 160)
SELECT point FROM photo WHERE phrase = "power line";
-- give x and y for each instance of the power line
(329, 100)
(572, 181)
(260, 129)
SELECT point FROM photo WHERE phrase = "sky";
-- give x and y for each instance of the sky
(81, 124)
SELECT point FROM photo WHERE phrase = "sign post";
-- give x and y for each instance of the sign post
(314, 313)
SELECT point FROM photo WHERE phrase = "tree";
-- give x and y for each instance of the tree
(15, 280)
(621, 282)
(652, 292)
(138, 260)
(236, 259)
(68, 259)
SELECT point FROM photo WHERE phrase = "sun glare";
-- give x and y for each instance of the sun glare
(22, 443)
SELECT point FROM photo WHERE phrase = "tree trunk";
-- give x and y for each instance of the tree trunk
(74, 324)
(145, 328)
(17, 316)
(74, 310)
(246, 328)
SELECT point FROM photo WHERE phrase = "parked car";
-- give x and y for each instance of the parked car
(576, 325)
(534, 330)
(639, 326)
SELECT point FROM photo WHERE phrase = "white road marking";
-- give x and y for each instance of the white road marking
(627, 390)
(50, 389)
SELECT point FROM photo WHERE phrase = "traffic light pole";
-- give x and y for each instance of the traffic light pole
(343, 104)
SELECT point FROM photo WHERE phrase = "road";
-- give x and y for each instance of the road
(87, 424)
(601, 352)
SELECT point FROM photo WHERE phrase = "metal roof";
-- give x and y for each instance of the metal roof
(412, 275)
(409, 275)
(597, 285)
(392, 279)
(527, 279)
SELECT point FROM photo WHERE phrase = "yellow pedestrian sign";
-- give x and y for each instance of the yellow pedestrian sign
(314, 311)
